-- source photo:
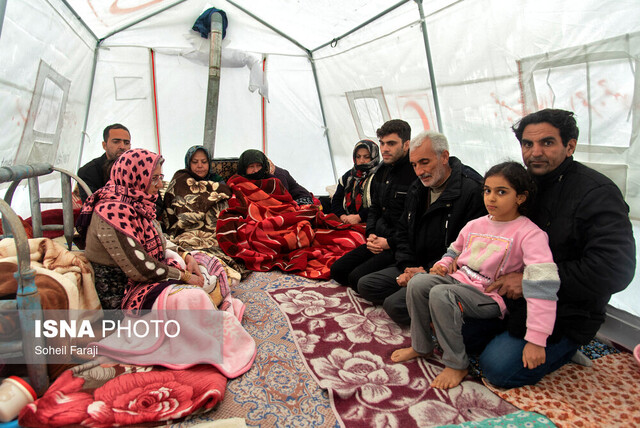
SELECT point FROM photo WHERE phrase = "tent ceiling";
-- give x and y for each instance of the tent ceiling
(311, 23)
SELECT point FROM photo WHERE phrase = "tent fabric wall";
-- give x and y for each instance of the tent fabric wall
(480, 50)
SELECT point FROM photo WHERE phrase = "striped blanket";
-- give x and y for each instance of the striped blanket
(265, 228)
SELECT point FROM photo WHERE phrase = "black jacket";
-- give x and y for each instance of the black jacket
(93, 174)
(591, 239)
(388, 192)
(424, 235)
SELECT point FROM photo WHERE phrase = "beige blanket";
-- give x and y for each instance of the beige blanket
(64, 278)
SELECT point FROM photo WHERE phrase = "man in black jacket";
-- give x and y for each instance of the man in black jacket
(446, 195)
(590, 235)
(116, 141)
(388, 192)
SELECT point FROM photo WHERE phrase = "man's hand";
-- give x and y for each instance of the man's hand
(410, 272)
(533, 355)
(377, 244)
(509, 285)
(439, 269)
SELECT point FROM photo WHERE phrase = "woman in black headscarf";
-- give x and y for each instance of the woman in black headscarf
(254, 165)
(352, 198)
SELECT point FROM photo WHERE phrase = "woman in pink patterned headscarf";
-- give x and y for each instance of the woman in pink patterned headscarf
(124, 241)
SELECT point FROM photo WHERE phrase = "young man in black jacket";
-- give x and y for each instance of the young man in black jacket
(590, 235)
(116, 141)
(388, 192)
(444, 197)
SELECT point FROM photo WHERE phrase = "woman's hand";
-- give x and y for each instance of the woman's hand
(351, 219)
(198, 281)
(192, 265)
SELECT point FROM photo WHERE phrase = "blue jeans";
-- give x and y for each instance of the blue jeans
(501, 360)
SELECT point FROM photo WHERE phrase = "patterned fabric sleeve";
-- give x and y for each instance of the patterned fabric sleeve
(131, 257)
(540, 285)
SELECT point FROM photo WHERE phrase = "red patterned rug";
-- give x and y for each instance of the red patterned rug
(347, 343)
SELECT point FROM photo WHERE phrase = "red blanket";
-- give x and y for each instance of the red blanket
(265, 228)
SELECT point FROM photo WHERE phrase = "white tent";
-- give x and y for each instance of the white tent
(333, 71)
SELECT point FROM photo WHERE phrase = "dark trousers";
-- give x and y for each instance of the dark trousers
(381, 288)
(348, 269)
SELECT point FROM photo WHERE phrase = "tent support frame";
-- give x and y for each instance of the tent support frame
(364, 24)
(3, 7)
(315, 76)
(142, 19)
(86, 114)
(432, 78)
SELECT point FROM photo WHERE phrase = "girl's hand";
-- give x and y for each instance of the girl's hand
(453, 266)
(533, 355)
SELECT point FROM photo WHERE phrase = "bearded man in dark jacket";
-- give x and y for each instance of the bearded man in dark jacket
(389, 188)
(590, 236)
(444, 197)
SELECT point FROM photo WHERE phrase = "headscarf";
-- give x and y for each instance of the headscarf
(253, 156)
(355, 194)
(211, 176)
(124, 203)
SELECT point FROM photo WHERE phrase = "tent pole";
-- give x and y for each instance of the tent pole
(213, 87)
(86, 114)
(324, 119)
(80, 20)
(142, 19)
(271, 27)
(364, 24)
(434, 89)
(3, 7)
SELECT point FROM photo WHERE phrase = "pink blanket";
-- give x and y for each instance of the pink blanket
(205, 336)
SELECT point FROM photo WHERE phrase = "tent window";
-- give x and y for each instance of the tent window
(129, 88)
(369, 109)
(41, 136)
(49, 108)
(603, 109)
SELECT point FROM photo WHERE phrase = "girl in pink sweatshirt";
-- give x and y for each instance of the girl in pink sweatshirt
(502, 242)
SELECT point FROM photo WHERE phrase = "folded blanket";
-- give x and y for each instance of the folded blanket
(205, 335)
(102, 393)
(64, 278)
(265, 228)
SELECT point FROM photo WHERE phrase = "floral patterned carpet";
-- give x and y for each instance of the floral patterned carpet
(277, 390)
(347, 343)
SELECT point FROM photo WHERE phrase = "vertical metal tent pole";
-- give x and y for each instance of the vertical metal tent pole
(213, 89)
(324, 120)
(3, 7)
(86, 113)
(434, 90)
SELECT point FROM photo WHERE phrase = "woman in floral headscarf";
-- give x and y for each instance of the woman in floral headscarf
(194, 198)
(353, 194)
(123, 239)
